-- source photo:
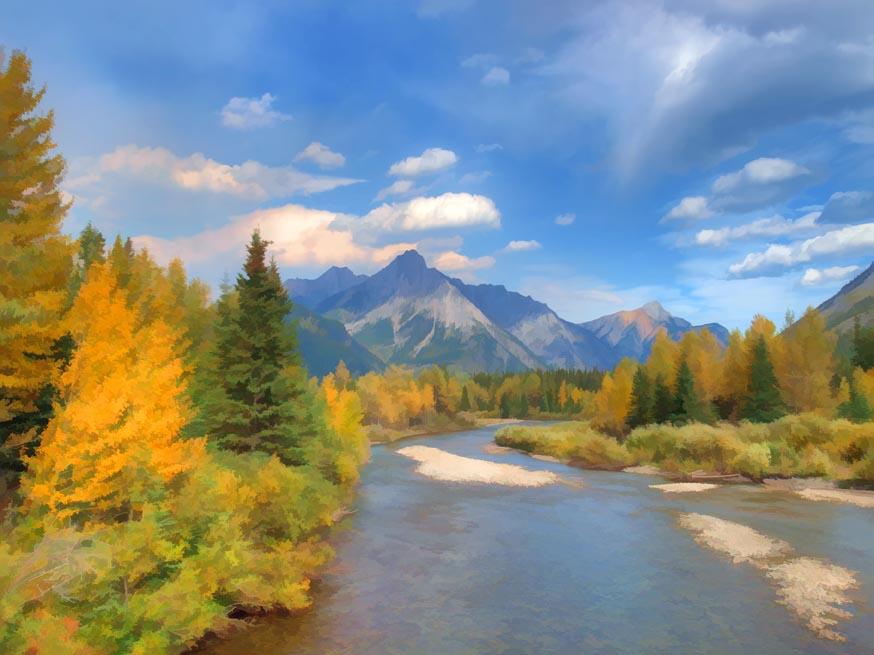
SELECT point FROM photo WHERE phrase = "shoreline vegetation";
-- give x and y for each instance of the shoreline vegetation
(809, 454)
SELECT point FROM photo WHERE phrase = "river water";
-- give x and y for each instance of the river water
(431, 568)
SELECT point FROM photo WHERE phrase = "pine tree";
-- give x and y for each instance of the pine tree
(464, 404)
(856, 408)
(506, 406)
(35, 260)
(642, 400)
(265, 402)
(663, 401)
(763, 402)
(688, 405)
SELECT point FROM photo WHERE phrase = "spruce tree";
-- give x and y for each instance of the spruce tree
(642, 400)
(265, 403)
(856, 408)
(763, 402)
(464, 404)
(35, 261)
(506, 406)
(688, 405)
(663, 401)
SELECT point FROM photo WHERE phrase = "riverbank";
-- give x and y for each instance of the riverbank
(781, 455)
(378, 434)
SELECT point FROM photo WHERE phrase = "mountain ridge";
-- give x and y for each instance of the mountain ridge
(413, 314)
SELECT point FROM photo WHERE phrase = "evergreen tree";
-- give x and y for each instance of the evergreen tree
(506, 406)
(763, 402)
(856, 408)
(523, 406)
(642, 400)
(863, 345)
(265, 403)
(688, 405)
(464, 404)
(663, 401)
(35, 262)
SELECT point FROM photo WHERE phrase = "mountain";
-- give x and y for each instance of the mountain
(311, 292)
(408, 313)
(631, 333)
(324, 342)
(856, 298)
(556, 342)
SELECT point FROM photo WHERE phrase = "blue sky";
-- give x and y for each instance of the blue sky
(713, 155)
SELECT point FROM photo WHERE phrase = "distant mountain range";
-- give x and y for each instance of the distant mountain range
(409, 313)
(856, 298)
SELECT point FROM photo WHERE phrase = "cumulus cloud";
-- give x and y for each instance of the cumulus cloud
(454, 262)
(300, 236)
(565, 219)
(764, 227)
(814, 276)
(690, 208)
(849, 207)
(196, 172)
(396, 188)
(251, 113)
(321, 155)
(760, 183)
(496, 76)
(449, 210)
(520, 246)
(771, 261)
(430, 161)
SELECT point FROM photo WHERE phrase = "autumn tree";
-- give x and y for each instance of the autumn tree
(35, 259)
(856, 408)
(808, 364)
(735, 375)
(113, 443)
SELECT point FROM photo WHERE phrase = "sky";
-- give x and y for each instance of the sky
(715, 155)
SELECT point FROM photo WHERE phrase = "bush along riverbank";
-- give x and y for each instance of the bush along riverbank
(803, 445)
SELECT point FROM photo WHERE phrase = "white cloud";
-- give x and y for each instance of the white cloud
(565, 219)
(196, 172)
(454, 262)
(496, 76)
(300, 236)
(250, 113)
(480, 60)
(433, 212)
(764, 227)
(430, 161)
(855, 238)
(813, 276)
(475, 177)
(321, 155)
(396, 188)
(765, 170)
(520, 246)
(488, 147)
(690, 207)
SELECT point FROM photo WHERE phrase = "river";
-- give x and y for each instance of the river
(430, 568)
